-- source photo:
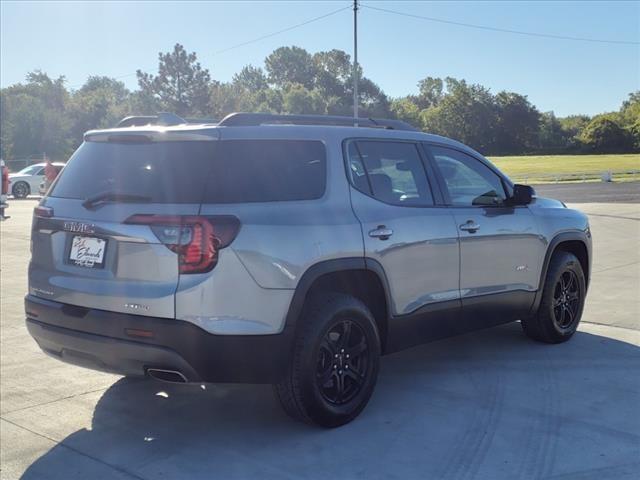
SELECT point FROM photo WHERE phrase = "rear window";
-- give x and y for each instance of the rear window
(230, 171)
(166, 172)
(267, 171)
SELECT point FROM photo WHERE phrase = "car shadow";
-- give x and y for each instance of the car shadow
(492, 404)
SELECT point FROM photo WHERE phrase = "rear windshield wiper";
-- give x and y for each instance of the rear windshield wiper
(111, 197)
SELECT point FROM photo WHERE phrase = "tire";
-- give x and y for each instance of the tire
(20, 190)
(562, 302)
(337, 342)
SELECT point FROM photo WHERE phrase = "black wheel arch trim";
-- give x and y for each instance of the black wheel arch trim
(572, 236)
(324, 267)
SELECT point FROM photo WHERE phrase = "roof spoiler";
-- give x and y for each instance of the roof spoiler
(162, 118)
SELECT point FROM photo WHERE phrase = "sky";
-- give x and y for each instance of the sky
(77, 39)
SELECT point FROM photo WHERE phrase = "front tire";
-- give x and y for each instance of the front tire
(562, 301)
(20, 190)
(335, 362)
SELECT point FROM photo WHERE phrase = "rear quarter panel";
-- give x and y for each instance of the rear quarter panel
(276, 244)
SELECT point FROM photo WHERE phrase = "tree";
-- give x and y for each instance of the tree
(251, 79)
(33, 118)
(430, 92)
(100, 103)
(287, 65)
(333, 73)
(630, 109)
(465, 113)
(296, 99)
(517, 126)
(181, 86)
(373, 101)
(406, 109)
(603, 134)
(552, 136)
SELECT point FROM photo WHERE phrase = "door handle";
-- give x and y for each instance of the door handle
(470, 226)
(382, 232)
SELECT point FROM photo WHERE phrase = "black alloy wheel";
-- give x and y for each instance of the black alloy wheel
(343, 362)
(566, 300)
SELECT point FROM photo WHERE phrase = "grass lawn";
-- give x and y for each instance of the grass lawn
(543, 166)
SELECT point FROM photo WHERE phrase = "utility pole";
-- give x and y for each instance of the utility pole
(355, 62)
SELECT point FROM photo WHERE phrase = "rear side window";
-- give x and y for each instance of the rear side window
(267, 171)
(389, 171)
(165, 172)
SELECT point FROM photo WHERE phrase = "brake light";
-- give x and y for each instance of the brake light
(43, 212)
(195, 239)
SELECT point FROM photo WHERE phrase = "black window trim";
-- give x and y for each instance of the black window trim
(506, 183)
(435, 189)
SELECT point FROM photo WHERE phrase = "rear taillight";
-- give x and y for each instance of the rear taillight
(43, 212)
(195, 239)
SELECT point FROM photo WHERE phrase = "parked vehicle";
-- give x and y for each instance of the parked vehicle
(28, 180)
(292, 250)
(4, 188)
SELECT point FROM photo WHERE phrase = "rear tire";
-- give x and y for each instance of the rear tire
(562, 302)
(20, 190)
(335, 362)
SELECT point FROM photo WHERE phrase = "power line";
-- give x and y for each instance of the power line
(248, 42)
(269, 35)
(503, 30)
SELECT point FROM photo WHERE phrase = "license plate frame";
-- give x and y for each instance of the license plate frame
(87, 251)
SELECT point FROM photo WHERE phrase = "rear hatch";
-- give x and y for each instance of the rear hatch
(92, 244)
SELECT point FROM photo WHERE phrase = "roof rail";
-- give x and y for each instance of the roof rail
(256, 119)
(162, 118)
(213, 121)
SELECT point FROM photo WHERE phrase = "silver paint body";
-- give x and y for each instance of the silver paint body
(428, 259)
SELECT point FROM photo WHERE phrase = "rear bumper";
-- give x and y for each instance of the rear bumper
(99, 340)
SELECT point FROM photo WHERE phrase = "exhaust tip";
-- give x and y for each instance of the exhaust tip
(171, 376)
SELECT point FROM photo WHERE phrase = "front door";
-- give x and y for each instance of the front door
(500, 245)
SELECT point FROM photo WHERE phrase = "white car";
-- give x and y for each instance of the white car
(28, 180)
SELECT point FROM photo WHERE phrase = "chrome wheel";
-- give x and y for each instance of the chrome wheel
(20, 190)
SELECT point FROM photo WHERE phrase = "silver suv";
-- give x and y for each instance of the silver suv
(292, 250)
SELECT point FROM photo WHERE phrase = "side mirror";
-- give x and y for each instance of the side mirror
(522, 195)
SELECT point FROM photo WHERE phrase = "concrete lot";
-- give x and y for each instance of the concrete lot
(488, 405)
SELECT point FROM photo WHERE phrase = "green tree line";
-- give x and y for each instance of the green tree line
(42, 115)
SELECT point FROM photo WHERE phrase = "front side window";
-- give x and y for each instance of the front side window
(469, 182)
(389, 171)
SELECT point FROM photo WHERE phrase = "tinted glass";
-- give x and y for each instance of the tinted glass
(193, 172)
(166, 172)
(267, 171)
(468, 180)
(394, 171)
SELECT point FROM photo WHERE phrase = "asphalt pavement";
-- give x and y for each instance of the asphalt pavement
(488, 405)
(593, 192)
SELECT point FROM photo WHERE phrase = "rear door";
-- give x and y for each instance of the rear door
(85, 253)
(414, 241)
(500, 245)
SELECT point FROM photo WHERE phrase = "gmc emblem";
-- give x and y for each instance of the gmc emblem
(79, 227)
